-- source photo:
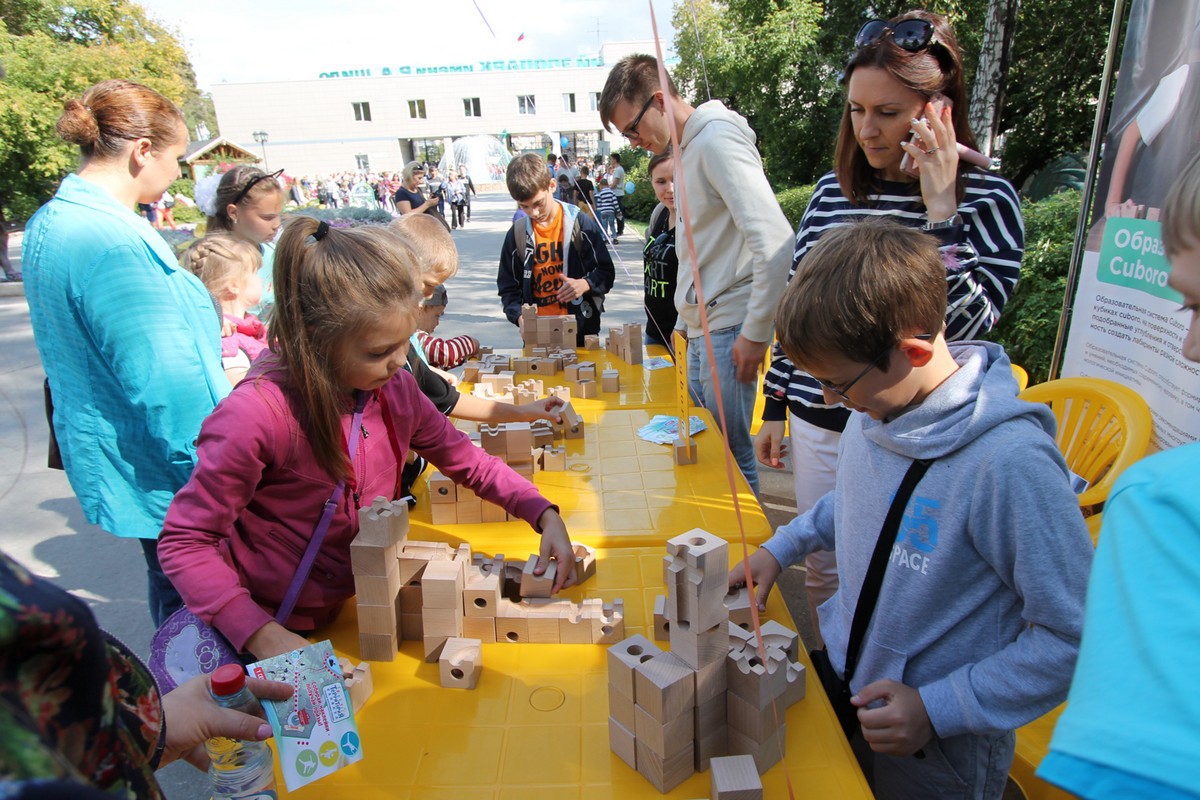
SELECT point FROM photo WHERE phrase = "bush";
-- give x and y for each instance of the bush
(1029, 322)
(185, 186)
(350, 217)
(188, 214)
(794, 201)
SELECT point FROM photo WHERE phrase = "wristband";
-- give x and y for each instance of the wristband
(954, 221)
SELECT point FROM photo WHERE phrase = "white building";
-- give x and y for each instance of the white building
(378, 118)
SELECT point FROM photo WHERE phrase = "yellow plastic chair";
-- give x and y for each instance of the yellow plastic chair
(1103, 427)
(1021, 375)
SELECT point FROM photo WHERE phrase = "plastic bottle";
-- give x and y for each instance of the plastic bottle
(239, 770)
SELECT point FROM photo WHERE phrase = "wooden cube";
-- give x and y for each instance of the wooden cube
(622, 742)
(481, 597)
(378, 619)
(684, 451)
(585, 562)
(377, 646)
(585, 389)
(665, 774)
(591, 342)
(481, 628)
(665, 739)
(765, 754)
(661, 624)
(442, 584)
(441, 489)
(663, 686)
(512, 629)
(621, 708)
(610, 381)
(735, 778)
(359, 684)
(460, 663)
(443, 513)
(537, 585)
(371, 558)
(623, 660)
(375, 590)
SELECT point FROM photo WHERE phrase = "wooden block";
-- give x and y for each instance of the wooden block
(735, 778)
(609, 626)
(377, 646)
(554, 459)
(490, 512)
(470, 512)
(754, 681)
(740, 637)
(520, 364)
(460, 663)
(481, 597)
(574, 628)
(571, 372)
(623, 660)
(711, 715)
(621, 708)
(780, 637)
(383, 522)
(711, 682)
(591, 342)
(442, 584)
(410, 598)
(663, 686)
(512, 629)
(359, 684)
(443, 513)
(765, 754)
(370, 558)
(701, 606)
(441, 489)
(665, 739)
(795, 690)
(542, 630)
(442, 621)
(737, 603)
(481, 628)
(543, 432)
(699, 649)
(585, 389)
(518, 441)
(411, 627)
(759, 724)
(585, 562)
(570, 330)
(714, 744)
(661, 624)
(570, 415)
(704, 553)
(373, 590)
(622, 742)
(470, 371)
(665, 774)
(610, 381)
(378, 619)
(537, 585)
(433, 647)
(684, 451)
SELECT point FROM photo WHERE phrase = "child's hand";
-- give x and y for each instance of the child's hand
(901, 726)
(764, 570)
(770, 443)
(546, 408)
(573, 289)
(556, 544)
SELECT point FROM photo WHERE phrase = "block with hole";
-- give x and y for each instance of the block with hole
(460, 663)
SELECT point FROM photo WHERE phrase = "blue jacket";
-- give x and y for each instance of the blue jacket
(131, 345)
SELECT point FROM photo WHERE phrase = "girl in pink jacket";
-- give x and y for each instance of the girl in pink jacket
(271, 453)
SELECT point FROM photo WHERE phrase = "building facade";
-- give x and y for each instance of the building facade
(378, 118)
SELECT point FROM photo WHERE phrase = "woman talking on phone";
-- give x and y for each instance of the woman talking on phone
(904, 151)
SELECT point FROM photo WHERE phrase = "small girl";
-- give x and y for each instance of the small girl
(330, 402)
(229, 269)
(248, 204)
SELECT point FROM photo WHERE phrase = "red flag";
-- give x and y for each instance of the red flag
(521, 38)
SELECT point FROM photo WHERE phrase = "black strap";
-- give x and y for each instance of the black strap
(879, 561)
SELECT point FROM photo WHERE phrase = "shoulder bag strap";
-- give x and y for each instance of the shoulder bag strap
(879, 560)
(318, 537)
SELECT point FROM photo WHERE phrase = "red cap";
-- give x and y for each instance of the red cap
(228, 679)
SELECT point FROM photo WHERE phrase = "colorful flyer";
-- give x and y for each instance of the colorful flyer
(315, 731)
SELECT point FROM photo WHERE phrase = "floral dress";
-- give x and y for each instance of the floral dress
(77, 708)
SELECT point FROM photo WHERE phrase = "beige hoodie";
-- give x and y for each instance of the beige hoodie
(743, 241)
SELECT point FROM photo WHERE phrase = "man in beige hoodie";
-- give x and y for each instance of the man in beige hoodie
(743, 241)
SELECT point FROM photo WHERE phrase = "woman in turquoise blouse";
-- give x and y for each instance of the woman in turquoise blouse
(129, 341)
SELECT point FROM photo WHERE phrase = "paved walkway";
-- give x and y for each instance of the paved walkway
(44, 527)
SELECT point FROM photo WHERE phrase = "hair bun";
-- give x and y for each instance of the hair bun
(78, 125)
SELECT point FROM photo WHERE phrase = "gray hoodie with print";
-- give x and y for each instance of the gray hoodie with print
(982, 602)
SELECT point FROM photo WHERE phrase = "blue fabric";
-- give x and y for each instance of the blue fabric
(414, 344)
(131, 345)
(1133, 705)
(737, 397)
(267, 273)
(1098, 782)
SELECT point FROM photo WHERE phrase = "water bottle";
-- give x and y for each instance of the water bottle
(239, 770)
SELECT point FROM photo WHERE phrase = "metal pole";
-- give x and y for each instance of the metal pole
(1089, 189)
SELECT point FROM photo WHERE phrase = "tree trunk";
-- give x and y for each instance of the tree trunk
(987, 91)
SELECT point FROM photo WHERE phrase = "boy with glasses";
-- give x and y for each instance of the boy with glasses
(743, 241)
(978, 615)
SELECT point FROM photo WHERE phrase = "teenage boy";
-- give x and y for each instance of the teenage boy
(977, 622)
(563, 267)
(743, 241)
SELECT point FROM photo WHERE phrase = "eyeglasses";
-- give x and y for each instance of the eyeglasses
(251, 183)
(912, 35)
(843, 391)
(632, 130)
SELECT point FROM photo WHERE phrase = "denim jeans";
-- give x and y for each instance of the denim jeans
(737, 398)
(608, 221)
(164, 600)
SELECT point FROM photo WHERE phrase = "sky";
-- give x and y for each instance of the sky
(292, 39)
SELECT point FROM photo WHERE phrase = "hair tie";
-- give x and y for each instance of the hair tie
(322, 229)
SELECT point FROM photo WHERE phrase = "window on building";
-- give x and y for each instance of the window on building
(416, 109)
(569, 102)
(363, 162)
(526, 104)
(471, 107)
(430, 150)
(362, 112)
(594, 101)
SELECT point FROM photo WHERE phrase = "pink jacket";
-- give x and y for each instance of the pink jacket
(235, 533)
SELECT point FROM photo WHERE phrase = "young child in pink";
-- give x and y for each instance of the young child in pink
(229, 268)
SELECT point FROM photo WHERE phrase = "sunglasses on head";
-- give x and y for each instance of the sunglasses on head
(250, 184)
(912, 35)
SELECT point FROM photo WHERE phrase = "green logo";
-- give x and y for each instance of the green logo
(1133, 256)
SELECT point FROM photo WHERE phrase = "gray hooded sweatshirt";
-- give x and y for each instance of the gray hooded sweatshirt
(981, 607)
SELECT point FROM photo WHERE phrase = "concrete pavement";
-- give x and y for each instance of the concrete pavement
(44, 528)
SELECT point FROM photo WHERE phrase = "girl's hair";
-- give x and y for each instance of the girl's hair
(655, 160)
(326, 292)
(219, 258)
(936, 69)
(1181, 210)
(410, 168)
(232, 190)
(115, 112)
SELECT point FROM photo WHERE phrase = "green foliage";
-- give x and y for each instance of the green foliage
(794, 201)
(185, 186)
(1029, 324)
(350, 217)
(53, 52)
(639, 204)
(187, 214)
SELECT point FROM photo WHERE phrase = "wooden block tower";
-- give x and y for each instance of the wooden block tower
(374, 554)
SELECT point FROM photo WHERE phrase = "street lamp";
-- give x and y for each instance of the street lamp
(261, 138)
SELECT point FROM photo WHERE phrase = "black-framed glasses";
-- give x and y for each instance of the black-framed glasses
(912, 35)
(632, 130)
(843, 391)
(251, 183)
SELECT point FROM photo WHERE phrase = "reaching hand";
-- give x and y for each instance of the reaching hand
(764, 571)
(748, 356)
(556, 544)
(546, 408)
(193, 717)
(769, 444)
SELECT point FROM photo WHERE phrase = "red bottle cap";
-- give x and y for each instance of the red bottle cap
(228, 679)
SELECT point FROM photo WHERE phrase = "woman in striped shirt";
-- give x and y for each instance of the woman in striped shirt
(897, 155)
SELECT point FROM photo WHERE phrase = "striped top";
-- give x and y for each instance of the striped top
(606, 201)
(984, 262)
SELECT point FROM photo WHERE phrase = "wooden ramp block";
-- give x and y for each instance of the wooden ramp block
(359, 684)
(737, 603)
(780, 637)
(735, 778)
(460, 663)
(662, 625)
(537, 585)
(585, 561)
(754, 681)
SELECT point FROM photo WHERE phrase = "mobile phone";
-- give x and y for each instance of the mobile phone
(908, 165)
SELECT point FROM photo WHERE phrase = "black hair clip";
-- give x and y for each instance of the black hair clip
(322, 229)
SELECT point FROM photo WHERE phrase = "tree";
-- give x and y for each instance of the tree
(987, 90)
